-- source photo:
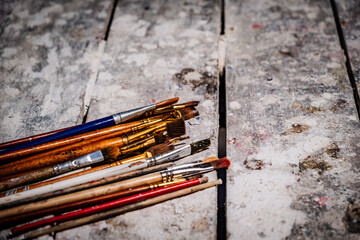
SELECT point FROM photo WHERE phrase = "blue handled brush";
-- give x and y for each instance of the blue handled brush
(94, 125)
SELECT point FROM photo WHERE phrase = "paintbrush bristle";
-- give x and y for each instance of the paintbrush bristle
(189, 112)
(191, 104)
(210, 159)
(200, 145)
(221, 163)
(110, 153)
(160, 138)
(167, 102)
(161, 148)
(176, 128)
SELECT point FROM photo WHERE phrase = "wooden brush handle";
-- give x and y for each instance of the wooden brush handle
(82, 195)
(98, 134)
(22, 218)
(28, 139)
(56, 156)
(121, 210)
(81, 173)
(27, 178)
(108, 180)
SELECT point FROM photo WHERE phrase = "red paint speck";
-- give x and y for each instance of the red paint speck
(322, 201)
(153, 100)
(257, 26)
(97, 37)
(298, 180)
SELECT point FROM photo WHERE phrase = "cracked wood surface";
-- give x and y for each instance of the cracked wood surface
(292, 124)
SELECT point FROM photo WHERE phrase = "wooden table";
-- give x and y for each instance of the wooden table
(275, 69)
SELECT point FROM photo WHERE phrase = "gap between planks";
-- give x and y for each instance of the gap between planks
(346, 55)
(221, 230)
(96, 65)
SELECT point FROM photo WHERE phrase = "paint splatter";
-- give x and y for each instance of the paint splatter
(296, 129)
(314, 163)
(196, 79)
(257, 26)
(333, 150)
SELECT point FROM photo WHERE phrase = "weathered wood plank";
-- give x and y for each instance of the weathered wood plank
(349, 14)
(157, 50)
(47, 52)
(292, 124)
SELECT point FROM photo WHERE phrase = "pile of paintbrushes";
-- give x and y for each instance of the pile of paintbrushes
(123, 162)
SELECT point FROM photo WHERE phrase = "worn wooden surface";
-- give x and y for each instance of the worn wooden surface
(158, 50)
(47, 51)
(292, 125)
(349, 14)
(292, 129)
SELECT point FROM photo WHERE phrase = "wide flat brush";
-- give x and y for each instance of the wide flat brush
(56, 156)
(84, 138)
(82, 205)
(121, 210)
(94, 125)
(180, 171)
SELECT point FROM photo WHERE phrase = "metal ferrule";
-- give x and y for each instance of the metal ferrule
(131, 114)
(191, 171)
(144, 133)
(83, 161)
(184, 171)
(173, 155)
(146, 123)
(153, 186)
(186, 165)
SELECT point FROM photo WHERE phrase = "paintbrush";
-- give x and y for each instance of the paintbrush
(107, 206)
(172, 155)
(121, 210)
(81, 205)
(32, 138)
(28, 139)
(97, 183)
(97, 135)
(174, 129)
(107, 154)
(168, 175)
(94, 125)
(19, 219)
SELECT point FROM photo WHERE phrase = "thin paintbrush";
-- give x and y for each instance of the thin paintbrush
(15, 220)
(28, 139)
(94, 125)
(97, 135)
(111, 171)
(180, 171)
(105, 206)
(97, 183)
(108, 154)
(68, 153)
(121, 210)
